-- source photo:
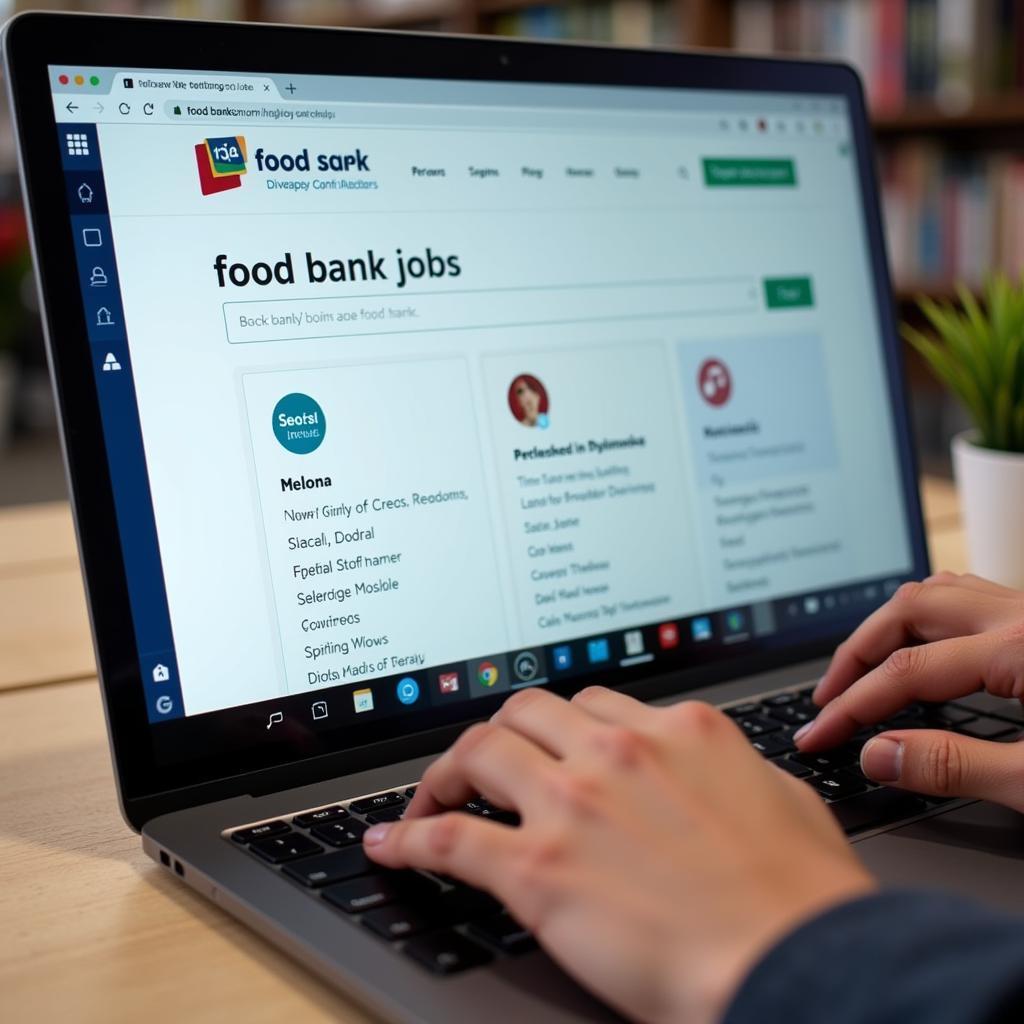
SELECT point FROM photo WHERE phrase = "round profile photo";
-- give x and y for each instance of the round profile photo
(714, 382)
(528, 400)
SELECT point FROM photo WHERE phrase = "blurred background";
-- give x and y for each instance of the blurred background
(945, 81)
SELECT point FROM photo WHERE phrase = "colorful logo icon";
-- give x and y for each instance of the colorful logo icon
(221, 163)
(668, 635)
(700, 629)
(598, 650)
(362, 700)
(299, 423)
(487, 674)
(714, 382)
(448, 682)
(408, 690)
(562, 658)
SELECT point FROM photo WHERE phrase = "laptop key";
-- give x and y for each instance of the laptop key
(504, 933)
(329, 868)
(758, 725)
(743, 710)
(837, 786)
(986, 728)
(391, 814)
(829, 760)
(376, 803)
(340, 833)
(325, 814)
(370, 891)
(268, 828)
(874, 808)
(794, 715)
(781, 699)
(398, 922)
(795, 768)
(446, 952)
(279, 849)
(770, 746)
(464, 903)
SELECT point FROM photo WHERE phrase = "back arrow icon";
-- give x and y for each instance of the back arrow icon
(70, 108)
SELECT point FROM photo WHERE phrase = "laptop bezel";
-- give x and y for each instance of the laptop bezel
(33, 41)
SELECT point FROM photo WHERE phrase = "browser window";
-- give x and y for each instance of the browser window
(419, 392)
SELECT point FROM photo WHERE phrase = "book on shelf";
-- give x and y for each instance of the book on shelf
(950, 52)
(625, 22)
(950, 216)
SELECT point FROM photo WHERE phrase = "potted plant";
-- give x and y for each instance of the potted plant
(978, 353)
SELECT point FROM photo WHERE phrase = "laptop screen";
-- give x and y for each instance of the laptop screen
(418, 392)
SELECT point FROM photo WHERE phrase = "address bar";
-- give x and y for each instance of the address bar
(395, 312)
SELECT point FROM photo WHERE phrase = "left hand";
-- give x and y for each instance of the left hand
(659, 856)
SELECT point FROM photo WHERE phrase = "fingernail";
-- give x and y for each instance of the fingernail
(376, 835)
(804, 730)
(882, 759)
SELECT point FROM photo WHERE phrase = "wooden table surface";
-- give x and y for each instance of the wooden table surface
(91, 929)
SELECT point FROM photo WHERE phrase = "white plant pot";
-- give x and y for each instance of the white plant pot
(991, 489)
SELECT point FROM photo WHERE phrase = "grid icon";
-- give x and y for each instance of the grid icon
(77, 143)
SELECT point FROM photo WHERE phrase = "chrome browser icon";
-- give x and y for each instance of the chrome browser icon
(487, 674)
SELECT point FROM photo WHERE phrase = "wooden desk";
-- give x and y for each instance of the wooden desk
(92, 929)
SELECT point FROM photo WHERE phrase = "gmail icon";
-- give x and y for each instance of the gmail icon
(448, 682)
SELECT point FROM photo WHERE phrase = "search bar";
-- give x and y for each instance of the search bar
(398, 313)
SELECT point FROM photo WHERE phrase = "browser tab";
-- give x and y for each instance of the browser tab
(212, 85)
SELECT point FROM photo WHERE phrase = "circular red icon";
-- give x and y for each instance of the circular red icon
(714, 382)
(528, 400)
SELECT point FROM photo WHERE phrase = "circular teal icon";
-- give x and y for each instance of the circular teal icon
(408, 690)
(299, 423)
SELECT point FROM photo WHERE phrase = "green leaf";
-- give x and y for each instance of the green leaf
(976, 349)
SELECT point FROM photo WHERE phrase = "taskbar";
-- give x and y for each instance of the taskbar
(671, 644)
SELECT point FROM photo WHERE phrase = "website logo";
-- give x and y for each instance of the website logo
(221, 163)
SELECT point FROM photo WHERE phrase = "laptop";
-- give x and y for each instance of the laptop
(397, 373)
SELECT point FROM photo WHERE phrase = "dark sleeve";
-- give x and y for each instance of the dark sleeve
(896, 957)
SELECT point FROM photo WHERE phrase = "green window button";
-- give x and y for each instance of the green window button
(728, 172)
(787, 292)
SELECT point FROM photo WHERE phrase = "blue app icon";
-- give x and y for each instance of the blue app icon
(408, 690)
(700, 628)
(597, 650)
(562, 657)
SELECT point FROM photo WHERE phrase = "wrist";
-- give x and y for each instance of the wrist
(705, 992)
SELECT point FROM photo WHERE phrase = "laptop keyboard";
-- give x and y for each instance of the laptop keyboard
(448, 927)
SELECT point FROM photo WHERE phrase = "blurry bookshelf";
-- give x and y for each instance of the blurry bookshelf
(944, 81)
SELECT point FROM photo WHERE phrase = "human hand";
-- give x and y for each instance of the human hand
(658, 858)
(937, 640)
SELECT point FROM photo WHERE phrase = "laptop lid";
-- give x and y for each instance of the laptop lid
(398, 373)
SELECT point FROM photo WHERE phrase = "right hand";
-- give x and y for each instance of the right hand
(659, 856)
(933, 641)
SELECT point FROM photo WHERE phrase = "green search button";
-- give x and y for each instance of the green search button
(787, 292)
(721, 171)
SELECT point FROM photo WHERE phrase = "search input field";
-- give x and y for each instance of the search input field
(396, 312)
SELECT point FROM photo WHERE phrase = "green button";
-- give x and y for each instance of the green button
(721, 171)
(787, 292)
